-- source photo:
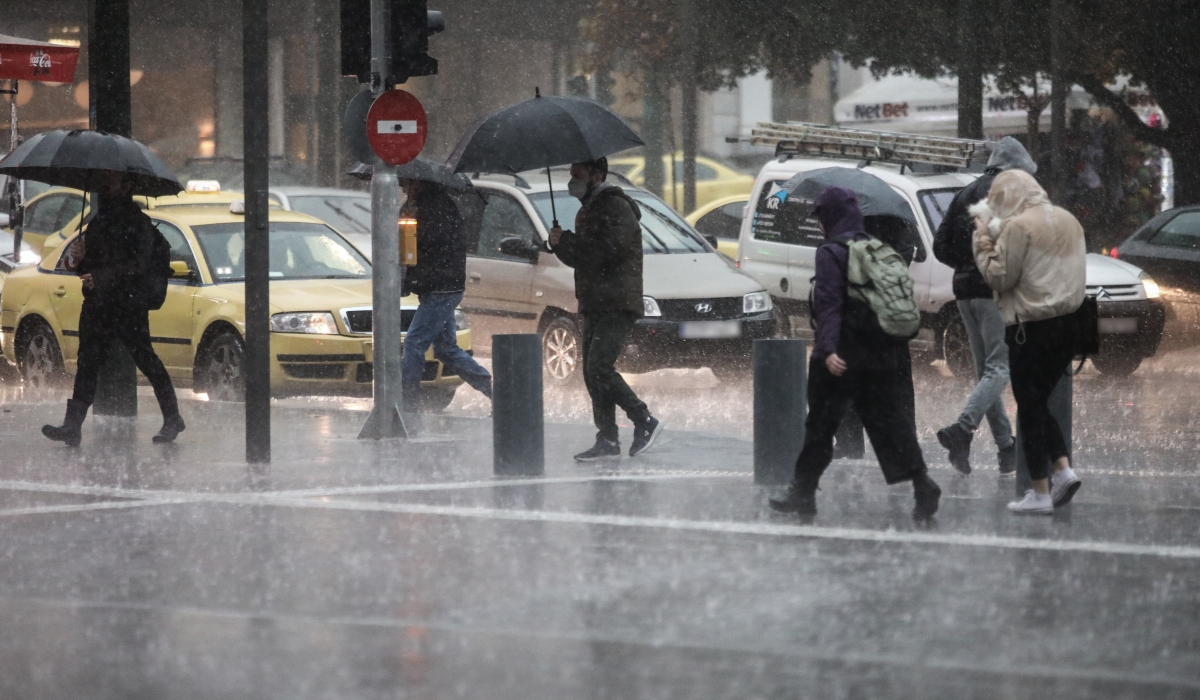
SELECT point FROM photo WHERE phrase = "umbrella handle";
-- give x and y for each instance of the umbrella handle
(553, 209)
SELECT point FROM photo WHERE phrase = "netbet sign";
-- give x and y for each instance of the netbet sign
(881, 110)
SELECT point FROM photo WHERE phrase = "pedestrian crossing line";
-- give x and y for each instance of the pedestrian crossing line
(759, 528)
(83, 507)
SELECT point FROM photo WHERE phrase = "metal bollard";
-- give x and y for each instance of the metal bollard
(780, 406)
(518, 430)
(1060, 408)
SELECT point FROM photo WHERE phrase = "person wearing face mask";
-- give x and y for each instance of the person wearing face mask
(605, 249)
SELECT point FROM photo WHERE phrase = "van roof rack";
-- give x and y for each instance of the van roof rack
(800, 138)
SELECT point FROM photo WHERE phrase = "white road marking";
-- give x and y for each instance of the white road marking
(80, 507)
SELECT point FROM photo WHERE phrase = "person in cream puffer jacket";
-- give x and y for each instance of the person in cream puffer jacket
(1031, 253)
(1033, 256)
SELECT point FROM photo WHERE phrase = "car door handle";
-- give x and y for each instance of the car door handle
(475, 277)
(60, 292)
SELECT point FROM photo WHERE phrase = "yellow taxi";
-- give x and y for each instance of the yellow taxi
(320, 304)
(53, 215)
(720, 221)
(713, 179)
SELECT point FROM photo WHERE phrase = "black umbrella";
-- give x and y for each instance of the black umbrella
(82, 159)
(418, 169)
(542, 133)
(877, 200)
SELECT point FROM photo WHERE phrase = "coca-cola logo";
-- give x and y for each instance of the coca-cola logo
(40, 62)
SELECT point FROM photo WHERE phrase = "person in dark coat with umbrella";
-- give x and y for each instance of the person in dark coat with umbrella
(115, 265)
(846, 369)
(439, 280)
(605, 249)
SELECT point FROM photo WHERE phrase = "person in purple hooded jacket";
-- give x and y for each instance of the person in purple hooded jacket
(845, 371)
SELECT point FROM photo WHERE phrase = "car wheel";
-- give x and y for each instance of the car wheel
(1116, 364)
(221, 368)
(562, 350)
(956, 349)
(40, 359)
(436, 399)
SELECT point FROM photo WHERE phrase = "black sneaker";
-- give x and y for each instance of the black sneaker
(926, 493)
(1008, 460)
(603, 449)
(958, 441)
(171, 429)
(644, 436)
(802, 502)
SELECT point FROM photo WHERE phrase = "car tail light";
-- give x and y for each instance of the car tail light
(1114, 253)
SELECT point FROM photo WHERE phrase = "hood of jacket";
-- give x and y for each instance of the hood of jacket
(607, 189)
(1013, 192)
(837, 210)
(1009, 154)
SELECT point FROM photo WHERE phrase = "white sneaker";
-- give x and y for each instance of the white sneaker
(1033, 504)
(1063, 486)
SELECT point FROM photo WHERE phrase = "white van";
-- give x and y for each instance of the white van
(779, 251)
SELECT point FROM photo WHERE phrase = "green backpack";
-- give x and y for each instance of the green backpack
(877, 276)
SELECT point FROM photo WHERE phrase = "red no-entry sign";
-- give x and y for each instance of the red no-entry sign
(396, 127)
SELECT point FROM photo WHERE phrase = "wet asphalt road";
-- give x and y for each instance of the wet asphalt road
(351, 569)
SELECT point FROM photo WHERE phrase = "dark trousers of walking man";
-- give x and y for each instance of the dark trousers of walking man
(102, 328)
(604, 336)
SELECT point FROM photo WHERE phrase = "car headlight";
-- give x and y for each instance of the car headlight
(756, 303)
(319, 322)
(650, 307)
(1151, 287)
(460, 320)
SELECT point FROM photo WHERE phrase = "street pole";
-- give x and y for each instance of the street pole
(687, 84)
(1058, 104)
(387, 275)
(110, 97)
(255, 145)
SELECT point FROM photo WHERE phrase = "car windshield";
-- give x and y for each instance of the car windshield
(663, 231)
(346, 214)
(298, 251)
(936, 203)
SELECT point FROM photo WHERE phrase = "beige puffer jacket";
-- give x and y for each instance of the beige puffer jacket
(1032, 254)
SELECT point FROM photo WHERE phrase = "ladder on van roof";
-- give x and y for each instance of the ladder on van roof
(800, 138)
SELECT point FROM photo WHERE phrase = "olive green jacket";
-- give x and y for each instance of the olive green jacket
(606, 251)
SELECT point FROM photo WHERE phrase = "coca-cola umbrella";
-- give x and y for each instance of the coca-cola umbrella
(37, 61)
(542, 133)
(83, 159)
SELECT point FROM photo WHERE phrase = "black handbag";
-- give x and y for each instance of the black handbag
(1087, 330)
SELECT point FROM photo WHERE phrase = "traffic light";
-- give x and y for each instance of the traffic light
(412, 25)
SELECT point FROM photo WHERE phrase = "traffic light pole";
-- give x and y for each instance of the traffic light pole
(387, 275)
(255, 144)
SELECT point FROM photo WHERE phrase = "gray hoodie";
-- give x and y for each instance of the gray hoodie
(952, 242)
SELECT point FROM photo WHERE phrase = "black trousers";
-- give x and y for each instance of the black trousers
(883, 399)
(1039, 353)
(604, 336)
(102, 326)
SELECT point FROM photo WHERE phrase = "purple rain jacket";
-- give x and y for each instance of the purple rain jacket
(837, 210)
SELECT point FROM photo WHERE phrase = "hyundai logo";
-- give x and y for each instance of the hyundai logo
(704, 308)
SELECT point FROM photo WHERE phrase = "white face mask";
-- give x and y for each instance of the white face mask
(578, 187)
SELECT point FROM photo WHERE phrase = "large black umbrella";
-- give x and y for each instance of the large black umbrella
(875, 197)
(82, 159)
(541, 133)
(886, 213)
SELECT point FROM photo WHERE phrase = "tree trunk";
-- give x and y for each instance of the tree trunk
(656, 105)
(970, 73)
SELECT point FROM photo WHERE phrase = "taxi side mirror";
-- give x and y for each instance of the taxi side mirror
(180, 270)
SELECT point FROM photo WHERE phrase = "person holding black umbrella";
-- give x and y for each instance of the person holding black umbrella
(117, 263)
(606, 251)
(439, 280)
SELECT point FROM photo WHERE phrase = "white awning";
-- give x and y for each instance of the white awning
(910, 104)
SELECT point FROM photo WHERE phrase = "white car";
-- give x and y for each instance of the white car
(780, 253)
(348, 211)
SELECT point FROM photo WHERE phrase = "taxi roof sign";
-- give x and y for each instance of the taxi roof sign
(202, 186)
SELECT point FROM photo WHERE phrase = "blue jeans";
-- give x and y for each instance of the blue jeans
(985, 332)
(433, 324)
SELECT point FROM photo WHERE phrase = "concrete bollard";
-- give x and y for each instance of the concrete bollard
(1060, 408)
(518, 430)
(780, 406)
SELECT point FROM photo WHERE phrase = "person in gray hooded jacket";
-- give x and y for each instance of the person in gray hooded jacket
(980, 316)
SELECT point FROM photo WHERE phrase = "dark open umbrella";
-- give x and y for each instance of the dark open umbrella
(542, 133)
(887, 214)
(82, 159)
